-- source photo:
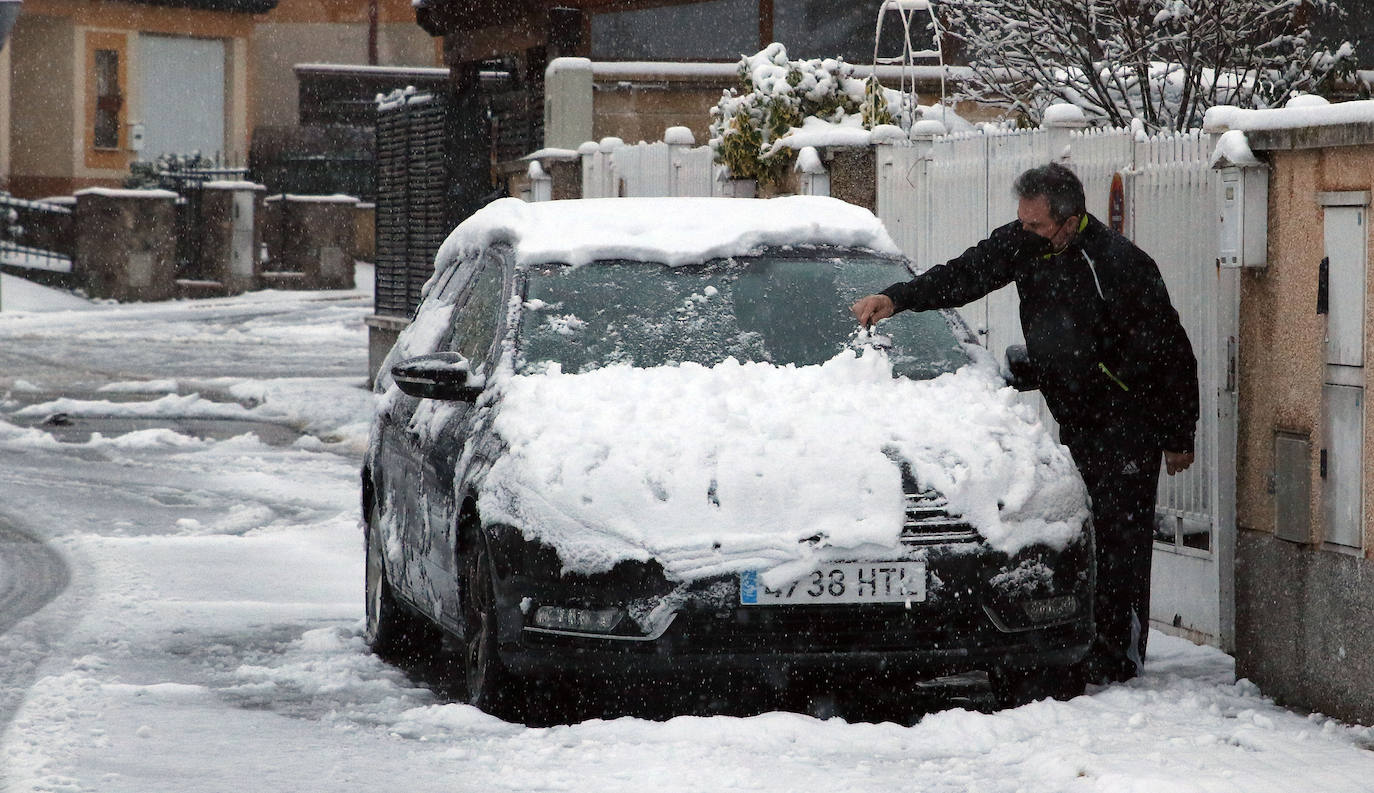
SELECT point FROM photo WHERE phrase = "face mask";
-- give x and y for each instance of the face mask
(1028, 243)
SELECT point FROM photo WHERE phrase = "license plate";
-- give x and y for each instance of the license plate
(842, 582)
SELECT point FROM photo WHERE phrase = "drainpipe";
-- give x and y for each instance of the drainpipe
(9, 11)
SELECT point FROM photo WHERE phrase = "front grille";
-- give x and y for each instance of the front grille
(928, 522)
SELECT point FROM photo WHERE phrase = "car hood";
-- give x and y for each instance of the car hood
(752, 466)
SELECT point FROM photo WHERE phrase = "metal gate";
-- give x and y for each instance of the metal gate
(414, 209)
(939, 196)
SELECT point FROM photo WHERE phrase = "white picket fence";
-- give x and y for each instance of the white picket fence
(648, 169)
(940, 195)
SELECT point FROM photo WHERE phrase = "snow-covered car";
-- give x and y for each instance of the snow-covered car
(645, 437)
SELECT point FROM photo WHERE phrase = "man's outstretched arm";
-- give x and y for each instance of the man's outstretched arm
(985, 267)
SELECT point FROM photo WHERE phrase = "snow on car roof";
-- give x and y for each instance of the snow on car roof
(672, 231)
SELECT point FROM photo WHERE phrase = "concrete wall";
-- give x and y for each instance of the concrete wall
(635, 111)
(308, 31)
(1303, 610)
(279, 46)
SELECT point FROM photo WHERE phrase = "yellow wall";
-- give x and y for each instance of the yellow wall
(1282, 345)
(52, 99)
(4, 118)
(43, 106)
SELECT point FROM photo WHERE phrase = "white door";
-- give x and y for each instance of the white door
(181, 95)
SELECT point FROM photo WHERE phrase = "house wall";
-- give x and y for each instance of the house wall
(51, 97)
(1303, 610)
(42, 101)
(5, 118)
(309, 31)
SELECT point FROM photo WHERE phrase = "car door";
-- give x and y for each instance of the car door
(401, 443)
(478, 318)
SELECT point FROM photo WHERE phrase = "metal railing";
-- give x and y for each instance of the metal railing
(37, 238)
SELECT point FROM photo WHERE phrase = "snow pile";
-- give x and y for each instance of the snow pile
(730, 468)
(671, 231)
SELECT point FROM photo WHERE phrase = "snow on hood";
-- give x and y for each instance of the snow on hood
(586, 230)
(720, 469)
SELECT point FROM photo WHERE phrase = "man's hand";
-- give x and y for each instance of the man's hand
(868, 310)
(1175, 462)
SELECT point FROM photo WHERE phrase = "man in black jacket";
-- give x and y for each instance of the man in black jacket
(1114, 365)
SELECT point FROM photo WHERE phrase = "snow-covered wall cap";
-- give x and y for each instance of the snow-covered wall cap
(679, 136)
(554, 154)
(108, 192)
(671, 231)
(928, 128)
(336, 198)
(231, 184)
(809, 161)
(588, 147)
(610, 144)
(563, 65)
(1064, 114)
(1233, 151)
(1306, 100)
(1225, 117)
(887, 133)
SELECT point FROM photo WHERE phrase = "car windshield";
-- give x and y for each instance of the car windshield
(779, 308)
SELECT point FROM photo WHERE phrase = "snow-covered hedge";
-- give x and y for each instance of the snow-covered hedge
(776, 95)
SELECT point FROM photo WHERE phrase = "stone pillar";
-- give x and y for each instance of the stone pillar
(854, 176)
(365, 232)
(567, 177)
(231, 222)
(126, 243)
(316, 242)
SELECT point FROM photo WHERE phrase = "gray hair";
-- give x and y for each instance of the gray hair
(1058, 185)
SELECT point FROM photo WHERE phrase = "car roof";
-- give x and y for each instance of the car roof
(672, 231)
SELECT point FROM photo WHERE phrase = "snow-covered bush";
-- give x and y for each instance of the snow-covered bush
(776, 95)
(1161, 61)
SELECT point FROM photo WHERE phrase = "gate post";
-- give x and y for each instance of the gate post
(232, 216)
(1059, 122)
(680, 140)
(126, 243)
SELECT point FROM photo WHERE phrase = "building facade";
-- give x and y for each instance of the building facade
(92, 86)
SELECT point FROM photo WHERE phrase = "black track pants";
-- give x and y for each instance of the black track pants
(1122, 479)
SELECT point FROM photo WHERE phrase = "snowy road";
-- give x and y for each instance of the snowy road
(30, 575)
(209, 638)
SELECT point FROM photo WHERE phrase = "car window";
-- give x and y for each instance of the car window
(478, 313)
(779, 308)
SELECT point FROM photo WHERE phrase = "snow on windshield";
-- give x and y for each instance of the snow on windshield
(730, 467)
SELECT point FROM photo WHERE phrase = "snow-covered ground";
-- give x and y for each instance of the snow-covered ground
(209, 638)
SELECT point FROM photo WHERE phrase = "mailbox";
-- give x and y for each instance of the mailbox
(1243, 200)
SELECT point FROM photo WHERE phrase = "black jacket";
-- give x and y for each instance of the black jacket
(1105, 340)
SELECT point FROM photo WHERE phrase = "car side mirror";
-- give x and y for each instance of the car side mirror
(1021, 373)
(439, 375)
